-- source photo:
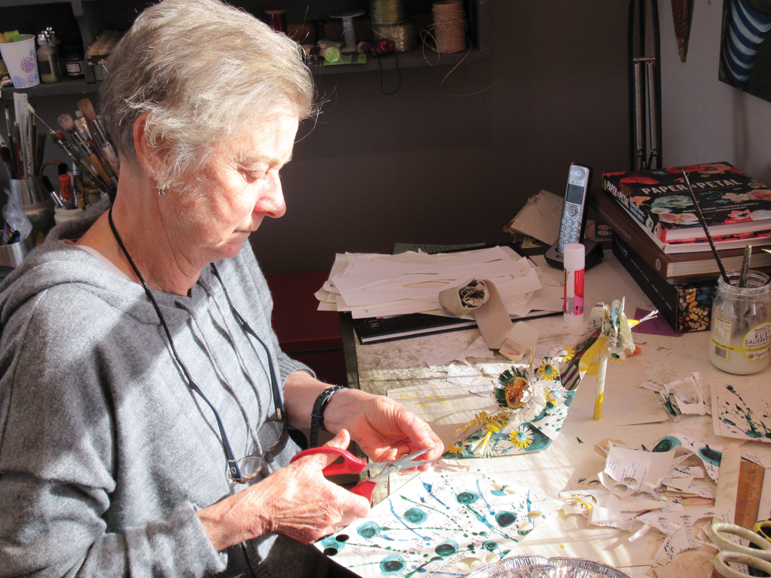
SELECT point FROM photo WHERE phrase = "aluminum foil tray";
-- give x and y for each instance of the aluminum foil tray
(540, 567)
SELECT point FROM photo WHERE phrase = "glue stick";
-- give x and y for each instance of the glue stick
(573, 309)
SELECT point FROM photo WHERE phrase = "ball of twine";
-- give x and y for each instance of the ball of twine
(386, 11)
(449, 28)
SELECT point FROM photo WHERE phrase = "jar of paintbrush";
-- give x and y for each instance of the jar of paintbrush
(741, 323)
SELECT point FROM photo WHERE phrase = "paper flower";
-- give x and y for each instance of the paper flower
(514, 390)
(456, 448)
(522, 437)
(564, 355)
(556, 394)
(525, 396)
(615, 326)
(615, 340)
(548, 371)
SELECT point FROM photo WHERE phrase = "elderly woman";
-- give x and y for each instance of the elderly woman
(144, 400)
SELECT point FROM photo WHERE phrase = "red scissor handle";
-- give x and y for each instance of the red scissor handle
(365, 488)
(350, 464)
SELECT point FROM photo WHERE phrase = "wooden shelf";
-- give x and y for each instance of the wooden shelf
(411, 59)
(64, 87)
(93, 15)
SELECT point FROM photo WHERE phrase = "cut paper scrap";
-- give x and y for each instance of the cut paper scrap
(438, 524)
(710, 455)
(603, 508)
(679, 527)
(684, 396)
(637, 470)
(741, 412)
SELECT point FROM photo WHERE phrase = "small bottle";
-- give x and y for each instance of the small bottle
(74, 62)
(78, 186)
(56, 44)
(47, 63)
(65, 184)
(573, 308)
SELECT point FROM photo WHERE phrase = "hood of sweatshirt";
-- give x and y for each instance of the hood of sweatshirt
(59, 262)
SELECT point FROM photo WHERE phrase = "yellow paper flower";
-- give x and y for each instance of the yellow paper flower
(548, 371)
(521, 438)
(565, 355)
(455, 448)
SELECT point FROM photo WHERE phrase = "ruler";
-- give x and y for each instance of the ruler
(747, 497)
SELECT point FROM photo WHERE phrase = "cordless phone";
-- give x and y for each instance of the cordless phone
(573, 213)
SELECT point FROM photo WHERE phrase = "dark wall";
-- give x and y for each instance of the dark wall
(450, 159)
(453, 161)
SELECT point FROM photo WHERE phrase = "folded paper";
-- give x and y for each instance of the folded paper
(481, 299)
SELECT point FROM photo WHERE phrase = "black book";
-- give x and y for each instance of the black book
(377, 329)
(686, 307)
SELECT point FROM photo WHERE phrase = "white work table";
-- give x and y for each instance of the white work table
(381, 367)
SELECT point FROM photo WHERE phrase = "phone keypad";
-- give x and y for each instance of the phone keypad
(570, 228)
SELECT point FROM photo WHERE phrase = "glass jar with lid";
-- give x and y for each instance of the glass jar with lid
(741, 324)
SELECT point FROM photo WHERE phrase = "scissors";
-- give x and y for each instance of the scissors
(733, 552)
(354, 465)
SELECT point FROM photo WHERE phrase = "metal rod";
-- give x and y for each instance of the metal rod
(650, 66)
(639, 116)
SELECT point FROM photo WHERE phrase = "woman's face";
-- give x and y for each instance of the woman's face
(227, 199)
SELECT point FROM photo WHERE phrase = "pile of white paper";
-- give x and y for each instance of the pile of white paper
(641, 490)
(374, 285)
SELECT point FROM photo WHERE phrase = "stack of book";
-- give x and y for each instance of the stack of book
(658, 237)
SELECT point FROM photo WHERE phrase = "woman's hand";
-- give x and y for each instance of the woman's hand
(296, 501)
(384, 430)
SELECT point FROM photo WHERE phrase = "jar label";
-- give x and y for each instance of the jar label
(756, 342)
(721, 331)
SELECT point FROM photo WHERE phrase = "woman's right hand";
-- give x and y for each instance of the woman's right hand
(296, 501)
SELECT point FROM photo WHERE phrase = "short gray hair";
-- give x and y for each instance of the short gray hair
(205, 72)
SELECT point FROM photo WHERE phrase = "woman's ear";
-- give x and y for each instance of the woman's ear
(148, 154)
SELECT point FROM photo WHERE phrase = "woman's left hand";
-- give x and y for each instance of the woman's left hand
(384, 430)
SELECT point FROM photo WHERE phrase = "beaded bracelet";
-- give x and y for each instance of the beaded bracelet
(317, 414)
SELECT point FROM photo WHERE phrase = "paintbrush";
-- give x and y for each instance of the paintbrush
(66, 122)
(706, 230)
(82, 127)
(44, 123)
(59, 140)
(87, 109)
(745, 266)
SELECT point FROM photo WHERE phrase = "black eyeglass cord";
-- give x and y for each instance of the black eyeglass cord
(233, 468)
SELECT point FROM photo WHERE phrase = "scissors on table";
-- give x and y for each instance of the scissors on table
(354, 465)
(759, 559)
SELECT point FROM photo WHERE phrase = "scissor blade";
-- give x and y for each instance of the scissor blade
(400, 464)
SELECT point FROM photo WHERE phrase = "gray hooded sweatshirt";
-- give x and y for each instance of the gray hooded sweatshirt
(105, 452)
